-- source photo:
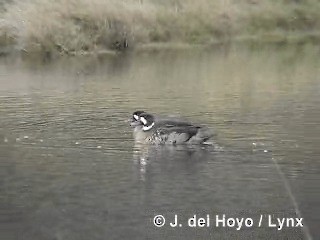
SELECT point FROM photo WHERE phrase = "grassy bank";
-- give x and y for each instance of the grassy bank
(79, 26)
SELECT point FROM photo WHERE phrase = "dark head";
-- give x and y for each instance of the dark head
(147, 121)
(135, 119)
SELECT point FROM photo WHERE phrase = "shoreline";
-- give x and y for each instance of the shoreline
(83, 27)
(266, 38)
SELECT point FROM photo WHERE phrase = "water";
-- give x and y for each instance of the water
(70, 169)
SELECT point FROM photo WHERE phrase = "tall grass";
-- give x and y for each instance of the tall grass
(73, 26)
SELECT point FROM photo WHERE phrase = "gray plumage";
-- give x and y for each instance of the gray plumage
(169, 130)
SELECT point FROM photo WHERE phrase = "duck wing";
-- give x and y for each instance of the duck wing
(177, 133)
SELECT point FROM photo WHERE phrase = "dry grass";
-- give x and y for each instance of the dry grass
(67, 26)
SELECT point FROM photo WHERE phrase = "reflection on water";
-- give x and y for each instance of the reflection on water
(70, 170)
(143, 155)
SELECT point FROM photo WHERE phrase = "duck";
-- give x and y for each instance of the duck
(149, 129)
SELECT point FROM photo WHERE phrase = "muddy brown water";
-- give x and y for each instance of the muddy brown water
(70, 169)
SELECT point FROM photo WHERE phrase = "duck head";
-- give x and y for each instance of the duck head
(135, 119)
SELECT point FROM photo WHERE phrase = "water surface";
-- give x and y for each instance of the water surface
(70, 169)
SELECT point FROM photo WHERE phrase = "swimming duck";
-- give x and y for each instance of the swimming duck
(150, 130)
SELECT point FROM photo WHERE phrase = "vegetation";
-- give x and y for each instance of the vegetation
(80, 26)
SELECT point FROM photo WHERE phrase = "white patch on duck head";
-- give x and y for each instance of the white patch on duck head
(146, 128)
(136, 117)
(143, 120)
